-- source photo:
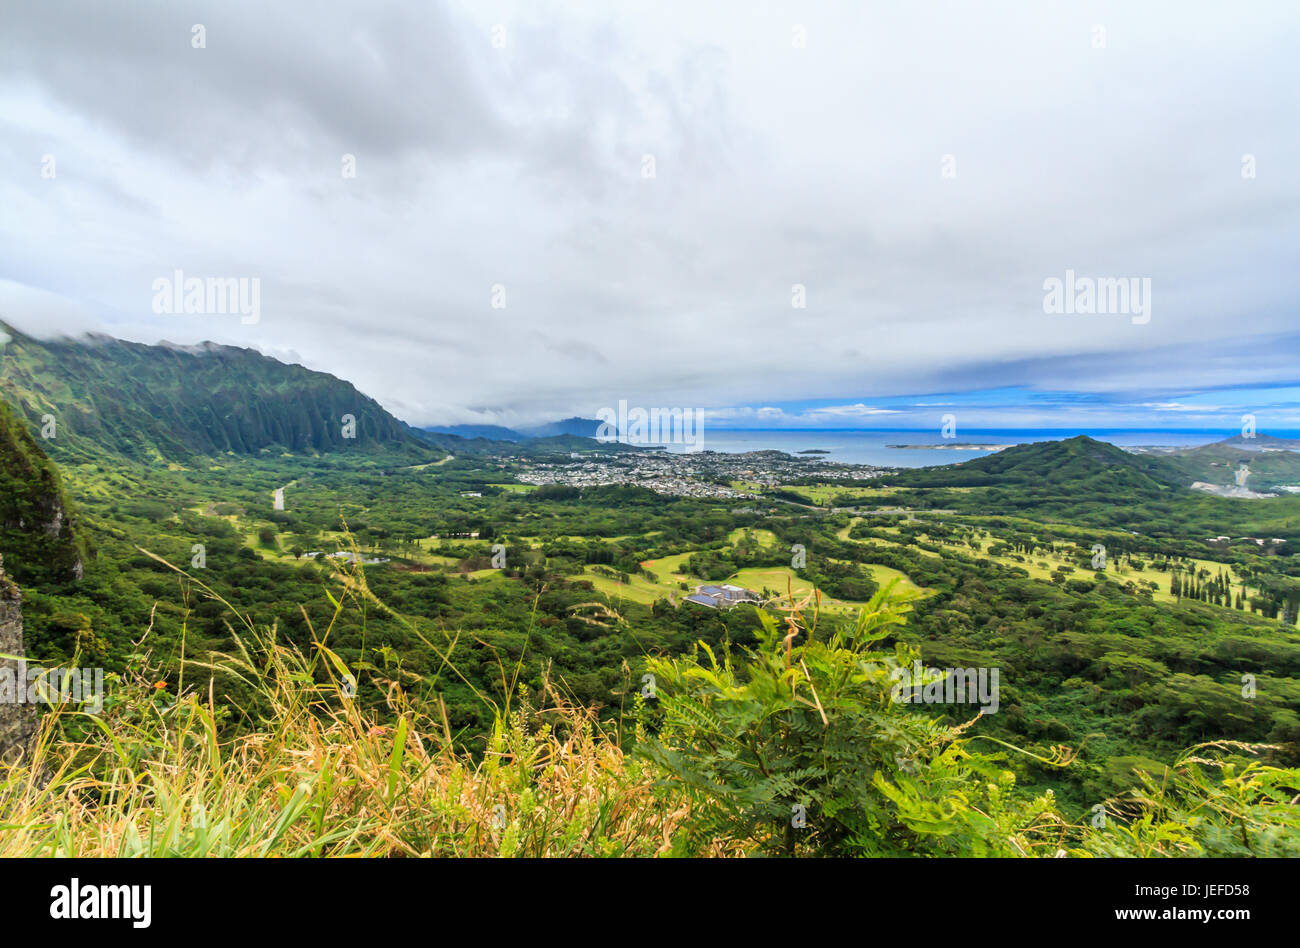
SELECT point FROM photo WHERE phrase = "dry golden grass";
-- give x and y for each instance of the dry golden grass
(313, 773)
(322, 777)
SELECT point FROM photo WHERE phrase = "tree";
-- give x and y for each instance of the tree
(802, 744)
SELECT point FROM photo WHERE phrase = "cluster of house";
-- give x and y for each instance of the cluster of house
(722, 597)
(1258, 541)
(347, 557)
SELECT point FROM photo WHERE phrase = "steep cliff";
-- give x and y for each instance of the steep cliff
(17, 719)
(38, 547)
(37, 534)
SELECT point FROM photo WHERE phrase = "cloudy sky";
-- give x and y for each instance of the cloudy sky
(557, 206)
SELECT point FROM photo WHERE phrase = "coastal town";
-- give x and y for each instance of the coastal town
(705, 474)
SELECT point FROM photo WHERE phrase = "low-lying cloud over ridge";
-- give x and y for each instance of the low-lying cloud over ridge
(919, 170)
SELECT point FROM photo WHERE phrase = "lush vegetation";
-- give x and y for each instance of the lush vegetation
(1100, 660)
(792, 747)
(508, 628)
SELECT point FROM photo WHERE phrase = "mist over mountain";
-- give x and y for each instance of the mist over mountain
(579, 427)
(491, 432)
(561, 433)
(170, 402)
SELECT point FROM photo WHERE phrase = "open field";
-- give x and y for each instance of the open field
(669, 571)
(763, 537)
(639, 589)
(822, 493)
(1118, 572)
(780, 580)
(776, 580)
(843, 534)
(885, 574)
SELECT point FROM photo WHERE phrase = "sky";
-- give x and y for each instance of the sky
(811, 214)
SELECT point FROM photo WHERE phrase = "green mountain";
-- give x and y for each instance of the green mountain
(1271, 462)
(1078, 479)
(168, 402)
(1075, 464)
(37, 537)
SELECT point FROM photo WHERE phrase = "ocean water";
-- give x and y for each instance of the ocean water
(872, 447)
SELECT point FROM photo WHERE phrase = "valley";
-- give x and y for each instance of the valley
(475, 573)
(647, 431)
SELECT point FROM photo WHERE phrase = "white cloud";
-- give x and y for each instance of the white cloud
(1179, 406)
(849, 411)
(774, 166)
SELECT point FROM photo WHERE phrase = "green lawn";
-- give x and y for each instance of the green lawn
(639, 590)
(1117, 573)
(763, 537)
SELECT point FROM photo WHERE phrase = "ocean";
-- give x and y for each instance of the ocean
(872, 446)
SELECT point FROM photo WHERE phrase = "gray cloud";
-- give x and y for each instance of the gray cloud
(522, 166)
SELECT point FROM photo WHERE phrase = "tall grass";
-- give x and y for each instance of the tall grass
(316, 774)
(305, 769)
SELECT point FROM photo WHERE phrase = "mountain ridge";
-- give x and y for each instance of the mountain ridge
(168, 402)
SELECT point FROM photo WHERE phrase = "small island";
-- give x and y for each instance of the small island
(814, 451)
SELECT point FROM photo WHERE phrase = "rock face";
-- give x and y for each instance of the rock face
(17, 719)
(38, 537)
(41, 550)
